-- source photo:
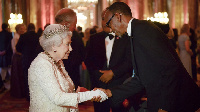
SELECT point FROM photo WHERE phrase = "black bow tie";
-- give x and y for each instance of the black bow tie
(110, 36)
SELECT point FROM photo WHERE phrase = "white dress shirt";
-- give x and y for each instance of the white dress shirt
(129, 27)
(109, 46)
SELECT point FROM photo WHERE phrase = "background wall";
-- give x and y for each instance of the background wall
(41, 12)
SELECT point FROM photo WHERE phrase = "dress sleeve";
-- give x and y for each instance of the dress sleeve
(44, 75)
(186, 38)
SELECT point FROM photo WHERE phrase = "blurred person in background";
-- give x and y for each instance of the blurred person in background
(17, 77)
(85, 76)
(5, 51)
(193, 47)
(39, 32)
(184, 44)
(27, 46)
(79, 30)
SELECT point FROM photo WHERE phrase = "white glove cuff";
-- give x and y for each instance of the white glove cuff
(88, 95)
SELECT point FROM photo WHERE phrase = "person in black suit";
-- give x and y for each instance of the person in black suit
(157, 67)
(5, 52)
(68, 18)
(79, 30)
(109, 63)
(193, 47)
(27, 45)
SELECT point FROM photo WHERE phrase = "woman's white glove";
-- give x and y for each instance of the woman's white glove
(88, 95)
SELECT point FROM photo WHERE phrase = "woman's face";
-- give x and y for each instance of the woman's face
(22, 30)
(62, 51)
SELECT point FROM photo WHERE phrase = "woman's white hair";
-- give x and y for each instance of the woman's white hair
(53, 35)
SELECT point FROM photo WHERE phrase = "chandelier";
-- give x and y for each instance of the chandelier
(14, 20)
(82, 4)
(161, 17)
(82, 1)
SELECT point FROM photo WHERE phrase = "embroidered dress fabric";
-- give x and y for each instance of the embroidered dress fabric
(51, 90)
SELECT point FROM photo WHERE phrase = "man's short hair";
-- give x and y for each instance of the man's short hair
(4, 26)
(18, 26)
(79, 28)
(65, 15)
(120, 7)
(31, 27)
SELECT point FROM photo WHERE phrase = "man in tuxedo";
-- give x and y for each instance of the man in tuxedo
(28, 45)
(157, 66)
(108, 61)
(68, 17)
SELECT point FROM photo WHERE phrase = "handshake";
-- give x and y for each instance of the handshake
(97, 94)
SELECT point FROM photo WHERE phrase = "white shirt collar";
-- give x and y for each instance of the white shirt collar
(129, 27)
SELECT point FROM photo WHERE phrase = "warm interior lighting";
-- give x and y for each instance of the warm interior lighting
(84, 10)
(82, 1)
(14, 20)
(161, 17)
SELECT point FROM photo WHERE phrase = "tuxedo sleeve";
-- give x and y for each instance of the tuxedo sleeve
(126, 90)
(125, 65)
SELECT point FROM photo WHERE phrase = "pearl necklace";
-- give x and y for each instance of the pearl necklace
(58, 65)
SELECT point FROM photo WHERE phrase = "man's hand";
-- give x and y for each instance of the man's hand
(106, 91)
(96, 99)
(107, 75)
(103, 96)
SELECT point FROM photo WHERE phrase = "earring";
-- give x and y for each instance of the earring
(54, 51)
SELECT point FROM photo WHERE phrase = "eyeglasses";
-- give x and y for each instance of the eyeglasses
(107, 24)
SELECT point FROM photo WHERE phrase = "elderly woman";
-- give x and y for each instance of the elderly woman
(184, 48)
(51, 88)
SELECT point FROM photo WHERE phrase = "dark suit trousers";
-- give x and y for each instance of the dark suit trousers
(105, 107)
(26, 87)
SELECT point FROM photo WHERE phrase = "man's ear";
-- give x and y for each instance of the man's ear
(118, 17)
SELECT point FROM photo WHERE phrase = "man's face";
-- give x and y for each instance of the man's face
(72, 26)
(114, 22)
(105, 28)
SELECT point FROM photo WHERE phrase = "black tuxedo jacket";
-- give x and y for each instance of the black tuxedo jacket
(167, 83)
(28, 45)
(120, 60)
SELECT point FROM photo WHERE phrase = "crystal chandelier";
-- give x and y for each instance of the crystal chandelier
(14, 20)
(82, 1)
(161, 17)
(83, 4)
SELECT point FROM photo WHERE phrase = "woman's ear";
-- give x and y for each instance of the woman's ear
(54, 49)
